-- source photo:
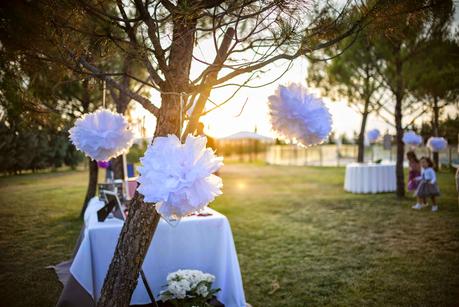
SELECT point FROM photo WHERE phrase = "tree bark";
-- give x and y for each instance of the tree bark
(137, 232)
(399, 92)
(92, 184)
(361, 139)
(435, 127)
(117, 167)
(142, 220)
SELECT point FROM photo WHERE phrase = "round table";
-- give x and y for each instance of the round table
(370, 178)
(198, 242)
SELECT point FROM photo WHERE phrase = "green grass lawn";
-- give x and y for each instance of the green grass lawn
(301, 240)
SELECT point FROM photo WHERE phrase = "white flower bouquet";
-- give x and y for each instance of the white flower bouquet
(188, 288)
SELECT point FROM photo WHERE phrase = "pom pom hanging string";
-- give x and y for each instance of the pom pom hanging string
(181, 114)
(103, 94)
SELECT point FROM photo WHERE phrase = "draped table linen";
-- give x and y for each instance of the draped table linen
(370, 178)
(197, 242)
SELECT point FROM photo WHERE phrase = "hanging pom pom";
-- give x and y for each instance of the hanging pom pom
(103, 164)
(179, 177)
(102, 135)
(373, 135)
(411, 138)
(298, 116)
(437, 143)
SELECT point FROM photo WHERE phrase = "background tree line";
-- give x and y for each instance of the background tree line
(35, 116)
(25, 149)
(107, 40)
(402, 69)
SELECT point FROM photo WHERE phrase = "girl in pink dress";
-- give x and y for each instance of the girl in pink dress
(414, 171)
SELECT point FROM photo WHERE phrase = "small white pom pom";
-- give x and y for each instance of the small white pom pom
(298, 116)
(411, 138)
(437, 143)
(102, 135)
(373, 135)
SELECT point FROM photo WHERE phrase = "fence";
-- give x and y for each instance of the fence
(334, 155)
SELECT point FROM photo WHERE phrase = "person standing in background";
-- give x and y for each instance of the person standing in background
(428, 187)
(414, 171)
(210, 140)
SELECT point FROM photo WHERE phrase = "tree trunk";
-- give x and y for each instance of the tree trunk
(137, 232)
(399, 128)
(436, 115)
(361, 139)
(210, 78)
(142, 220)
(92, 184)
(117, 167)
(400, 150)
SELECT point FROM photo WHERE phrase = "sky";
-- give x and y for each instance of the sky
(248, 110)
(253, 103)
(255, 114)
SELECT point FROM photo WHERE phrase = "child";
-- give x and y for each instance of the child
(414, 171)
(427, 185)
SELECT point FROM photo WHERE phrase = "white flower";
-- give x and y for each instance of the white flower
(437, 143)
(102, 135)
(373, 135)
(202, 290)
(179, 177)
(184, 284)
(299, 116)
(411, 138)
(178, 289)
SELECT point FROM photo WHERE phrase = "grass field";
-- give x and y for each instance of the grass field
(301, 240)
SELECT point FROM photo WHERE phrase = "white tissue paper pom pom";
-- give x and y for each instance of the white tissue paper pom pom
(298, 116)
(373, 135)
(411, 138)
(179, 177)
(102, 135)
(436, 143)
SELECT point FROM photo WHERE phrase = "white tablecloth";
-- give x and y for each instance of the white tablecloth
(202, 243)
(370, 178)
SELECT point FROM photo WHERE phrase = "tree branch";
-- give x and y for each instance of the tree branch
(99, 74)
(152, 28)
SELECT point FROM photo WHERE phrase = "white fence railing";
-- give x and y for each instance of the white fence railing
(334, 155)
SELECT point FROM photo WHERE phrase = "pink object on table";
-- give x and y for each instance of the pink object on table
(103, 164)
(131, 187)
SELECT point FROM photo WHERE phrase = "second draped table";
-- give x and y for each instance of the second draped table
(201, 243)
(370, 178)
